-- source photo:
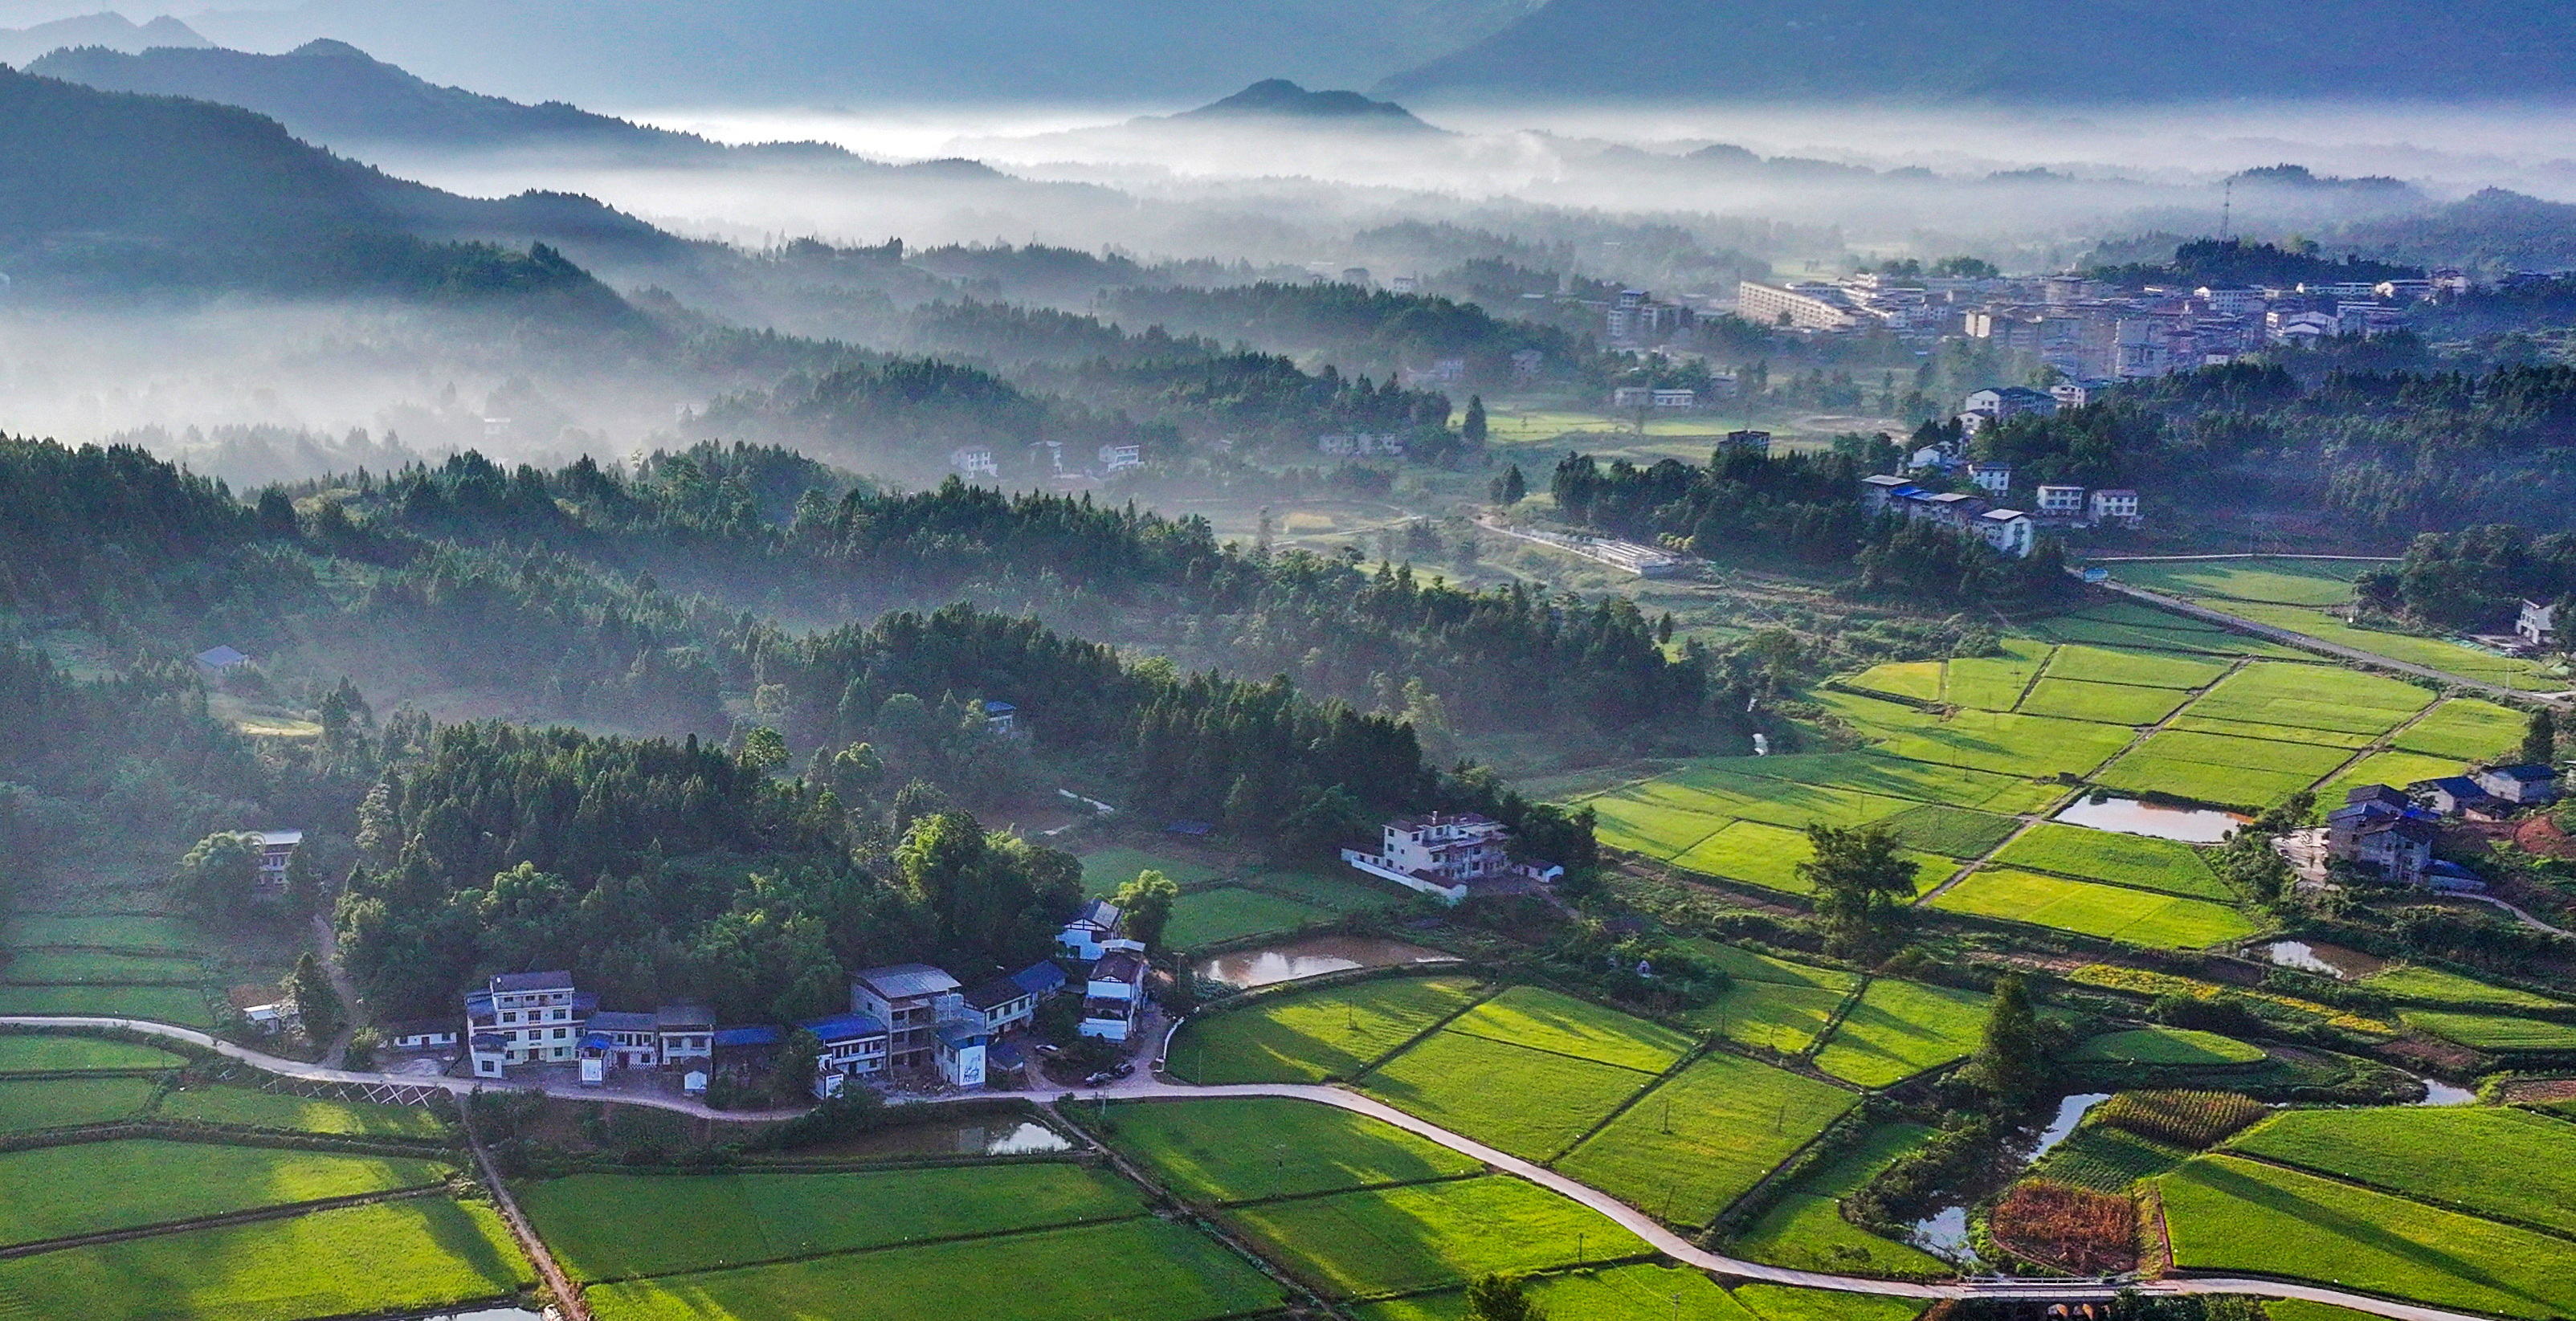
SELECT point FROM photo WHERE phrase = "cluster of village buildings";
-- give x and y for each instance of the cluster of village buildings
(2390, 833)
(1047, 463)
(2088, 330)
(2011, 528)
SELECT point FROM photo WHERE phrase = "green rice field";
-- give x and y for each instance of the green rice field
(1769, 1015)
(2463, 729)
(2140, 669)
(2423, 985)
(128, 931)
(2172, 1047)
(1805, 1228)
(2228, 1214)
(1646, 1292)
(2313, 697)
(2103, 855)
(1768, 856)
(1920, 680)
(45, 1053)
(1104, 870)
(95, 966)
(2508, 1164)
(1686, 1150)
(1540, 1019)
(1153, 1269)
(2107, 703)
(2282, 581)
(2493, 1031)
(2320, 738)
(96, 1186)
(614, 1226)
(32, 1103)
(1341, 892)
(1308, 1036)
(1994, 683)
(2107, 1159)
(1201, 918)
(183, 1005)
(1423, 1236)
(1899, 1029)
(2437, 653)
(2108, 912)
(412, 1255)
(1951, 832)
(1251, 1148)
(250, 1108)
(1527, 1102)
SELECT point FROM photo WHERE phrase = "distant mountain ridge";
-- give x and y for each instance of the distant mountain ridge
(2010, 51)
(1278, 98)
(106, 191)
(106, 31)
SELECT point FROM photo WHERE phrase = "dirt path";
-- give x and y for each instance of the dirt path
(326, 942)
(568, 1300)
(1146, 1086)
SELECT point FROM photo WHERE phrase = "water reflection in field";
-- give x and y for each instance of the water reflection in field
(1312, 957)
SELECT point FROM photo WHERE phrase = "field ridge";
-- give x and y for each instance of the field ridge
(1463, 1010)
(248, 1215)
(2402, 1194)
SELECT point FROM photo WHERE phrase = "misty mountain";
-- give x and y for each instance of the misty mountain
(2078, 51)
(1278, 98)
(105, 31)
(106, 191)
(645, 53)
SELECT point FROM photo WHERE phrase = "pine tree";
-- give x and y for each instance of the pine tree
(1515, 486)
(2012, 1058)
(1472, 430)
(2540, 738)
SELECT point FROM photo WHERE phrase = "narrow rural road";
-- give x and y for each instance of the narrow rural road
(2525, 918)
(567, 1298)
(2286, 637)
(1146, 1086)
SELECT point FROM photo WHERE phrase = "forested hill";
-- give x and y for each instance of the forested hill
(114, 191)
(2014, 51)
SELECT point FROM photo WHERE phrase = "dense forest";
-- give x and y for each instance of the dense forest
(1744, 503)
(2477, 577)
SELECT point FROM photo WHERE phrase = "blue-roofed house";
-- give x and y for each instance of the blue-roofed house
(2457, 795)
(1090, 927)
(854, 1046)
(1000, 717)
(957, 1048)
(1007, 1002)
(2520, 785)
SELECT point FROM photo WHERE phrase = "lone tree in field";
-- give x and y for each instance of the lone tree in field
(1502, 1298)
(2012, 1059)
(1511, 487)
(2540, 738)
(1473, 429)
(1146, 904)
(1861, 884)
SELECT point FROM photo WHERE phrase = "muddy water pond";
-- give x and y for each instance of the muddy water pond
(1312, 957)
(2129, 816)
(2345, 965)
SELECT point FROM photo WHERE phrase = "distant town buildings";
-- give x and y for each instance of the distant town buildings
(2010, 531)
(1361, 444)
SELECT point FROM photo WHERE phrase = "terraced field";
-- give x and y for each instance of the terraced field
(2109, 912)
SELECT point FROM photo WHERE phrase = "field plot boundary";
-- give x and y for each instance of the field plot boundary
(248, 1215)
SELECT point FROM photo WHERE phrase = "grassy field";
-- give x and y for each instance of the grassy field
(2465, 729)
(32, 1053)
(1544, 1020)
(2111, 912)
(1341, 892)
(1210, 917)
(614, 1226)
(1313, 1035)
(1899, 1029)
(2313, 697)
(2436, 653)
(2227, 1214)
(30, 1103)
(1423, 1236)
(2494, 1031)
(1805, 1228)
(1951, 832)
(257, 1109)
(2170, 1046)
(100, 966)
(2104, 855)
(131, 931)
(1768, 856)
(2505, 1163)
(1527, 1102)
(2107, 1159)
(2106, 703)
(1643, 1292)
(2286, 582)
(97, 1186)
(1243, 1149)
(1130, 1270)
(182, 1005)
(2134, 668)
(1688, 1149)
(416, 1254)
(2391, 768)
(2415, 982)
(1771, 1015)
(1104, 870)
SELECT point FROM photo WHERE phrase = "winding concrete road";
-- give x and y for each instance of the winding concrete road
(1146, 1086)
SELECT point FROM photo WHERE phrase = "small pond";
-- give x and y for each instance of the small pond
(2129, 816)
(2438, 1092)
(1944, 1233)
(2346, 965)
(1312, 957)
